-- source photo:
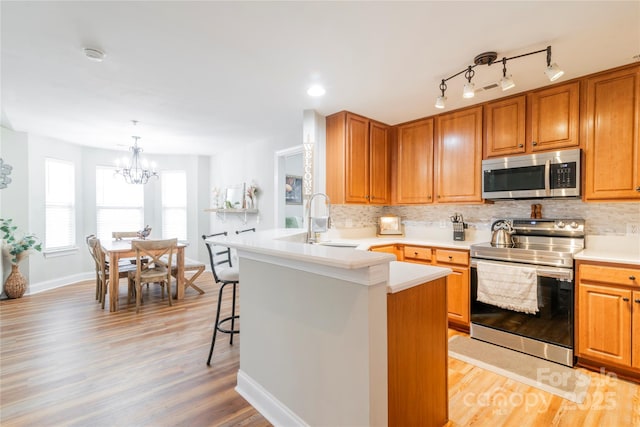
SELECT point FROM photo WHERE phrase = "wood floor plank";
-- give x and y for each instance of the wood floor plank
(66, 362)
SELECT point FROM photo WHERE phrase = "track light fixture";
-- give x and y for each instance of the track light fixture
(552, 71)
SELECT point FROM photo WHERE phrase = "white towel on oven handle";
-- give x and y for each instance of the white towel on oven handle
(507, 286)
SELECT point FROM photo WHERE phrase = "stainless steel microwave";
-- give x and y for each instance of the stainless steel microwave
(541, 175)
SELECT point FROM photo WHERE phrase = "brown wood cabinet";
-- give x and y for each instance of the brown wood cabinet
(358, 160)
(541, 120)
(414, 163)
(417, 355)
(390, 249)
(612, 143)
(458, 156)
(504, 127)
(457, 282)
(608, 314)
(554, 117)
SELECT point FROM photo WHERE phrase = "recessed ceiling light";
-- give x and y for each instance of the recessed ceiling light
(94, 54)
(316, 90)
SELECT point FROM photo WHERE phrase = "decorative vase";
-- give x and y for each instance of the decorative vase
(16, 284)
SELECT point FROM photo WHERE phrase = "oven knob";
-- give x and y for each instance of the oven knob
(573, 225)
(560, 224)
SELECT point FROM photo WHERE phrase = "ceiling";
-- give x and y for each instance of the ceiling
(204, 76)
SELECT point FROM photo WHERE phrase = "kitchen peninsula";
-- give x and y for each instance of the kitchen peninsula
(326, 333)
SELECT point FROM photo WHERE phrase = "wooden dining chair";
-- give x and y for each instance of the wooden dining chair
(220, 256)
(102, 268)
(160, 256)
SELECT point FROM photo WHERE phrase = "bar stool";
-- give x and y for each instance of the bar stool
(226, 276)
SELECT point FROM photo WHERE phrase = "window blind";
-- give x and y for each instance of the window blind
(60, 218)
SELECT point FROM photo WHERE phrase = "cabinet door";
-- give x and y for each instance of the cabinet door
(459, 156)
(504, 127)
(612, 147)
(458, 295)
(380, 164)
(604, 323)
(357, 159)
(635, 329)
(415, 163)
(390, 249)
(554, 120)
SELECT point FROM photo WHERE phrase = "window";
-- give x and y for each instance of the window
(174, 204)
(60, 212)
(119, 206)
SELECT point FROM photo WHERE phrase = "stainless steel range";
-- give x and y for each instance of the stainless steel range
(522, 289)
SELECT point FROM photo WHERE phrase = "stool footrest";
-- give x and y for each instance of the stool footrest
(227, 331)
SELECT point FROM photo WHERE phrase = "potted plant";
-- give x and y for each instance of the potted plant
(17, 246)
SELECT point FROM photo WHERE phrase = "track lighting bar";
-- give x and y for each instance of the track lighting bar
(552, 71)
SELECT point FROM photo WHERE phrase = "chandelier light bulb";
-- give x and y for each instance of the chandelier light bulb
(441, 101)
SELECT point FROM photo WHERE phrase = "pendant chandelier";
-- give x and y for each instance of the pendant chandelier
(136, 170)
(552, 71)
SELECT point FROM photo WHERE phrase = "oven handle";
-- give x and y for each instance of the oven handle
(565, 274)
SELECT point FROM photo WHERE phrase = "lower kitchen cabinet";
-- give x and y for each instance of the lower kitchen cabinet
(390, 249)
(608, 315)
(457, 284)
(457, 281)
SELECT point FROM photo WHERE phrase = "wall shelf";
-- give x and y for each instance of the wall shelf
(222, 212)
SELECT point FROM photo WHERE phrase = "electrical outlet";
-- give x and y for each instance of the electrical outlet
(633, 229)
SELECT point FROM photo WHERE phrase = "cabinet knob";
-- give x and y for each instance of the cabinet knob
(632, 277)
(638, 301)
(366, 197)
(450, 257)
(429, 197)
(534, 143)
(625, 299)
(638, 188)
(415, 253)
(520, 145)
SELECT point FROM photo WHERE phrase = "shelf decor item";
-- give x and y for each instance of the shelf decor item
(17, 247)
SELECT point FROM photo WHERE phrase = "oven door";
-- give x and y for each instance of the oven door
(552, 324)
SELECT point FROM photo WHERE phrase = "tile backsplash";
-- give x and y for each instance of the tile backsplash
(601, 218)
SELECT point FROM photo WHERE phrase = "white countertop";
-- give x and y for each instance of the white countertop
(288, 244)
(405, 275)
(615, 249)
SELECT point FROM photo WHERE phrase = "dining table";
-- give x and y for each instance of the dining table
(119, 249)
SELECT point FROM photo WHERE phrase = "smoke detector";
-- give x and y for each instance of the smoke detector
(94, 54)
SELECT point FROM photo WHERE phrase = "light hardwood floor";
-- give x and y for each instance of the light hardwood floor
(66, 362)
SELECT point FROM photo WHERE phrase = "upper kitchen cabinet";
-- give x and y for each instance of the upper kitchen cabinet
(542, 120)
(358, 160)
(458, 156)
(505, 126)
(414, 163)
(612, 146)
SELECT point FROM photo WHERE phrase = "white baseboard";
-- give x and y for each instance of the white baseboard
(35, 288)
(265, 403)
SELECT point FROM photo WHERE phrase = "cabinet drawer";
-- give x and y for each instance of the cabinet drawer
(613, 275)
(452, 257)
(418, 252)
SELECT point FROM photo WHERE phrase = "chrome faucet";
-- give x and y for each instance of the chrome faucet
(321, 224)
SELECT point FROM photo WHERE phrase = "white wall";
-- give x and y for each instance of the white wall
(15, 205)
(250, 163)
